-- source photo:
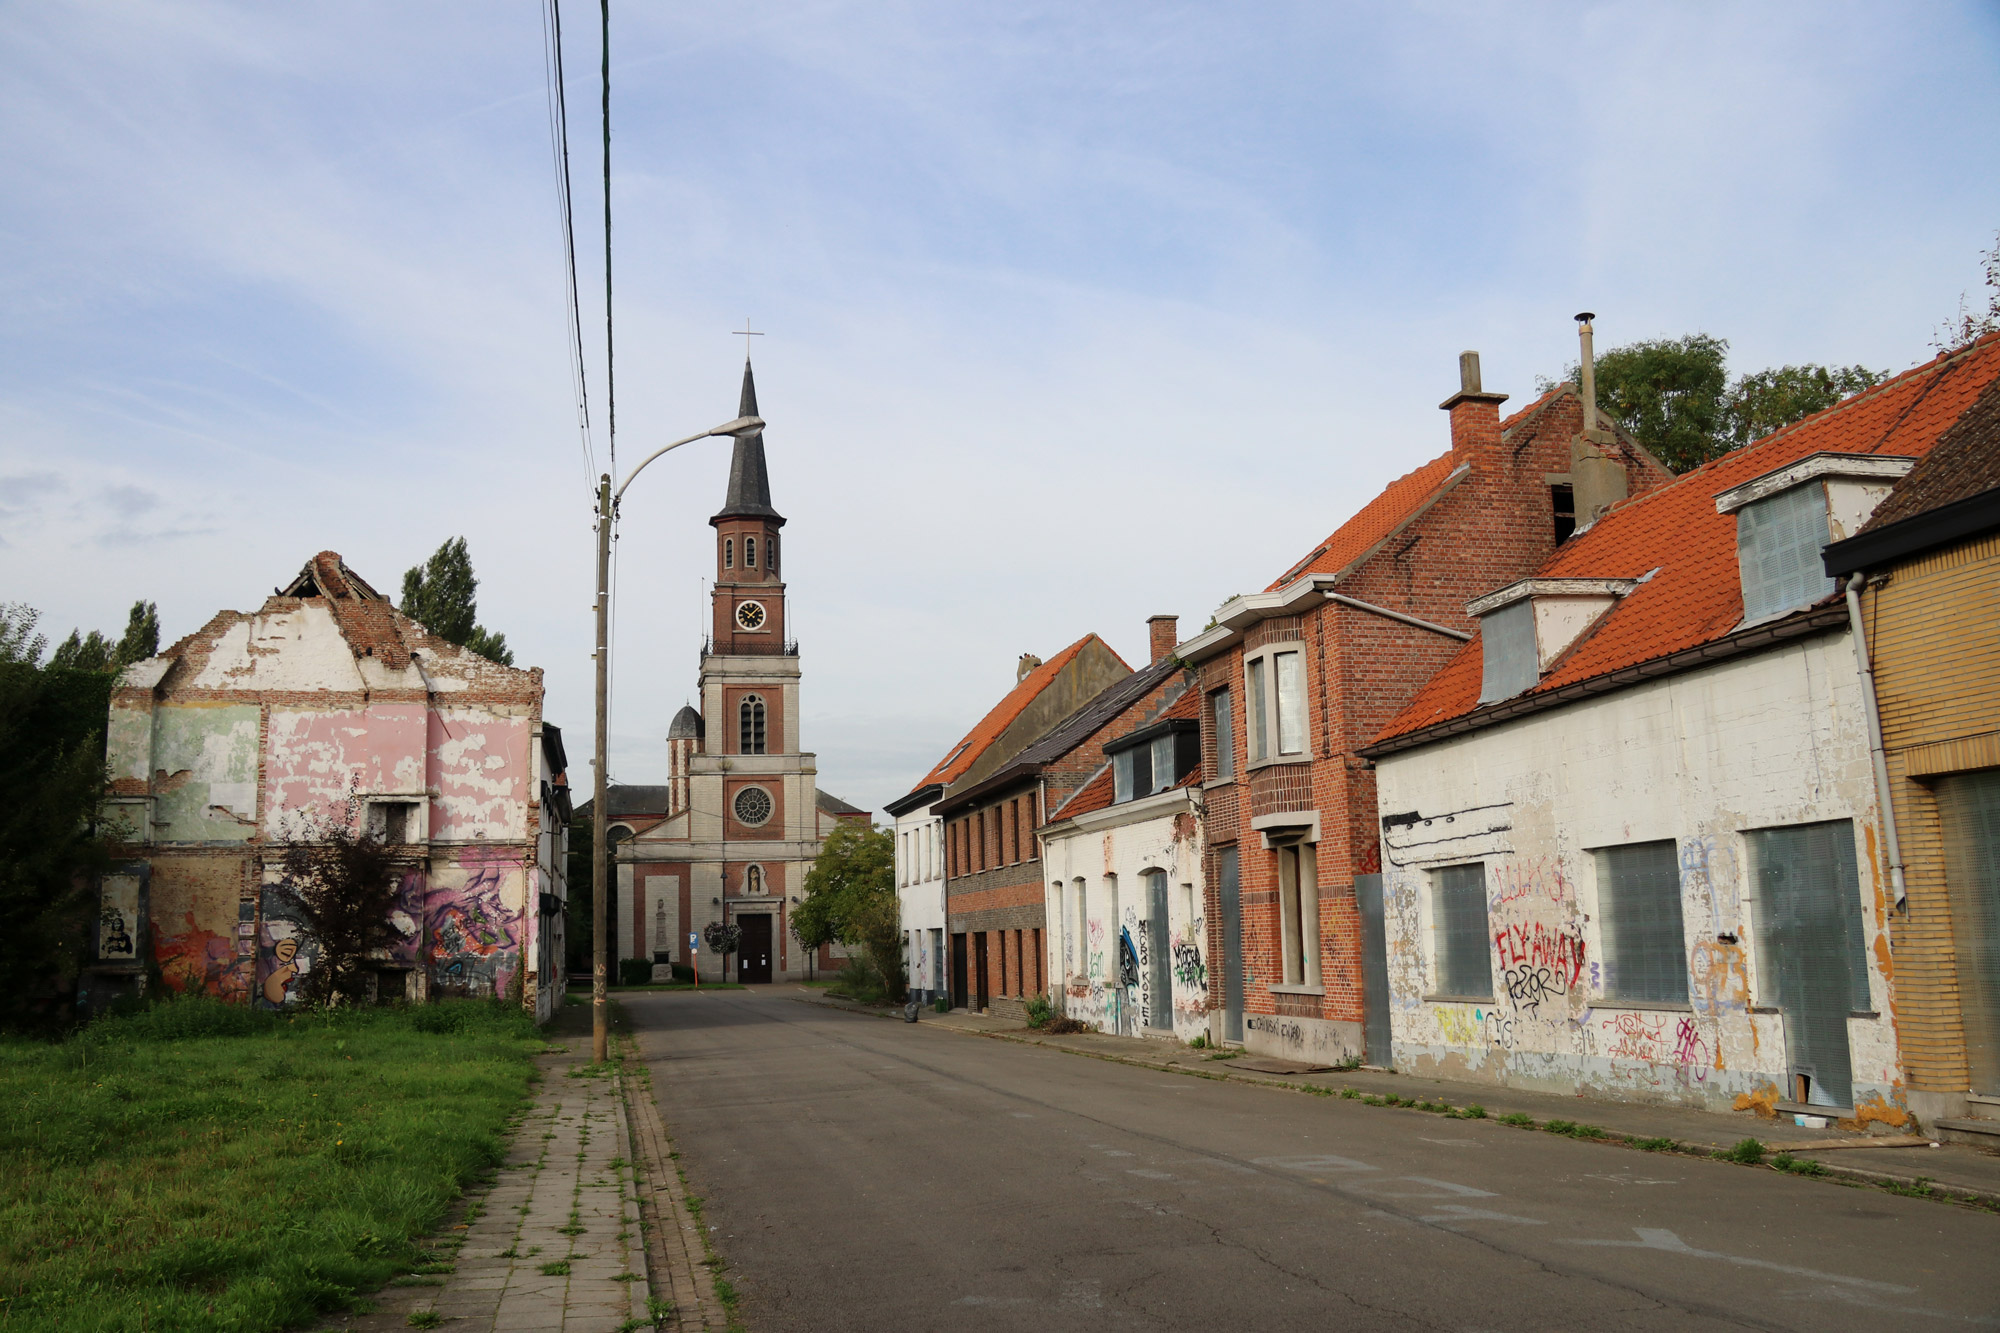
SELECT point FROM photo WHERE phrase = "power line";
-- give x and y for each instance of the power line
(558, 108)
(610, 381)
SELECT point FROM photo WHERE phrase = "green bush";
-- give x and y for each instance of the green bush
(1040, 1011)
(683, 972)
(858, 980)
(1784, 1161)
(1655, 1145)
(1200, 1041)
(634, 971)
(1749, 1152)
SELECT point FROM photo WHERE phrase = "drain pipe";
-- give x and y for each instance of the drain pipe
(1855, 583)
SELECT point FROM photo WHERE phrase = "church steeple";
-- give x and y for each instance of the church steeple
(749, 593)
(749, 494)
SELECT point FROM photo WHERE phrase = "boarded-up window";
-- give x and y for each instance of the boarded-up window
(1639, 910)
(1291, 680)
(1509, 665)
(1970, 806)
(1225, 734)
(1458, 924)
(1778, 543)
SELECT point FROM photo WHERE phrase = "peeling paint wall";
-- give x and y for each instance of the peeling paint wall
(1105, 977)
(1759, 742)
(205, 772)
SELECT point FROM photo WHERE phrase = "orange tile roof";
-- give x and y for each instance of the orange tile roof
(1695, 597)
(963, 755)
(1095, 794)
(1376, 521)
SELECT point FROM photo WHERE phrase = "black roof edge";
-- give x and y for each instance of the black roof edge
(917, 799)
(1972, 516)
(1815, 620)
(1006, 777)
(1165, 727)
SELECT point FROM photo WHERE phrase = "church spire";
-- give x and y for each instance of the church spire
(749, 494)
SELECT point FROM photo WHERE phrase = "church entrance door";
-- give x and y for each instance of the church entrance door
(753, 956)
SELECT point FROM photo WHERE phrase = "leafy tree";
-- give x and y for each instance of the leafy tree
(441, 595)
(1772, 399)
(52, 721)
(1674, 396)
(851, 898)
(94, 652)
(345, 883)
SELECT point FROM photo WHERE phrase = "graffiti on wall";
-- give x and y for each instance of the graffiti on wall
(1539, 962)
(471, 937)
(285, 952)
(198, 961)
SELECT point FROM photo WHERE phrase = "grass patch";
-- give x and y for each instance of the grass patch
(1749, 1152)
(425, 1319)
(1573, 1129)
(1798, 1166)
(1231, 1054)
(219, 1167)
(559, 1268)
(1520, 1120)
(1656, 1145)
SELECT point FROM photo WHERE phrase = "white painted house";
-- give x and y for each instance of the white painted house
(1631, 836)
(1124, 863)
(920, 888)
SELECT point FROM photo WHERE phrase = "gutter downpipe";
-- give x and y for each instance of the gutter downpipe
(1875, 748)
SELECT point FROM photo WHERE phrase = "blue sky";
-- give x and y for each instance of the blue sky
(1074, 313)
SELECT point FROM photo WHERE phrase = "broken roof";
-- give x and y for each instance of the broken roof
(1685, 552)
(1951, 494)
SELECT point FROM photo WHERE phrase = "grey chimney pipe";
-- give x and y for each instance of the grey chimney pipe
(1468, 372)
(1589, 375)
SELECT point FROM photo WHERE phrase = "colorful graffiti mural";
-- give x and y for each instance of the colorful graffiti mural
(472, 941)
(198, 961)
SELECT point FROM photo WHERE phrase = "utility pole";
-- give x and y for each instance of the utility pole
(600, 1028)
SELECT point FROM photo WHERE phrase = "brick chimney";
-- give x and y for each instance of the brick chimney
(1475, 417)
(1164, 632)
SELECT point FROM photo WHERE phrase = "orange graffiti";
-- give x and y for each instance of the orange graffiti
(1876, 1111)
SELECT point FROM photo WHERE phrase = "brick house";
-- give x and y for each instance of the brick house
(218, 745)
(1296, 678)
(1634, 835)
(1927, 570)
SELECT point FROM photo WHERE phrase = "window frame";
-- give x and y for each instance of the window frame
(749, 553)
(1617, 933)
(1444, 959)
(753, 729)
(1222, 721)
(1298, 919)
(729, 553)
(1264, 692)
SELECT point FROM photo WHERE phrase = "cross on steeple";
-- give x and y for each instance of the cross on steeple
(746, 333)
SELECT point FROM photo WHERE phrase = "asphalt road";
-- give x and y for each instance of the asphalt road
(861, 1174)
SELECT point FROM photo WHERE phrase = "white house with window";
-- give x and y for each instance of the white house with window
(920, 889)
(1631, 835)
(1123, 857)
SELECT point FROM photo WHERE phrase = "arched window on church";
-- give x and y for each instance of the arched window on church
(749, 553)
(750, 724)
(729, 553)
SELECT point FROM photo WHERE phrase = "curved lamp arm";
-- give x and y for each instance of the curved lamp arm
(740, 426)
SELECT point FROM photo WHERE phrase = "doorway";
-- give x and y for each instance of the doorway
(1970, 808)
(979, 964)
(1374, 970)
(753, 954)
(1810, 960)
(1230, 891)
(1159, 1005)
(958, 972)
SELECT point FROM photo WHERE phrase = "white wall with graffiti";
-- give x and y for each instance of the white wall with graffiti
(1116, 963)
(920, 899)
(1709, 759)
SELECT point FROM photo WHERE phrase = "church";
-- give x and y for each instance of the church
(731, 834)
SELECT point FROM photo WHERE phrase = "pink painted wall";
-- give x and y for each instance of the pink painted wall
(479, 768)
(309, 756)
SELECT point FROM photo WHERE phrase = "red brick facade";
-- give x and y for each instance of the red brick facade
(1468, 523)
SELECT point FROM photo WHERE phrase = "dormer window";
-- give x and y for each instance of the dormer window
(1526, 626)
(1152, 759)
(1784, 519)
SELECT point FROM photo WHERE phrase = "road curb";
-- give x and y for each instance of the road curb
(675, 1248)
(1910, 1185)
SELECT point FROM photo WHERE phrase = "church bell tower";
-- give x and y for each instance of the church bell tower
(749, 597)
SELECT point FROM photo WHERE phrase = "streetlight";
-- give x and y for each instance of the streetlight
(607, 511)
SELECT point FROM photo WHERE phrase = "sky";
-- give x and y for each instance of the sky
(1072, 314)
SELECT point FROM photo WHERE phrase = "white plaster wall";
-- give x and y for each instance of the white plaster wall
(1775, 739)
(1091, 990)
(920, 895)
(292, 650)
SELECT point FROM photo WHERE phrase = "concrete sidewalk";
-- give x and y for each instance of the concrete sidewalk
(1948, 1167)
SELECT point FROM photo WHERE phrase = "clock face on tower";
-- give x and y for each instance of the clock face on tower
(750, 615)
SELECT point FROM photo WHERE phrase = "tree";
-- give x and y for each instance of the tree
(1956, 333)
(1674, 396)
(851, 898)
(1773, 399)
(441, 595)
(345, 883)
(94, 652)
(52, 721)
